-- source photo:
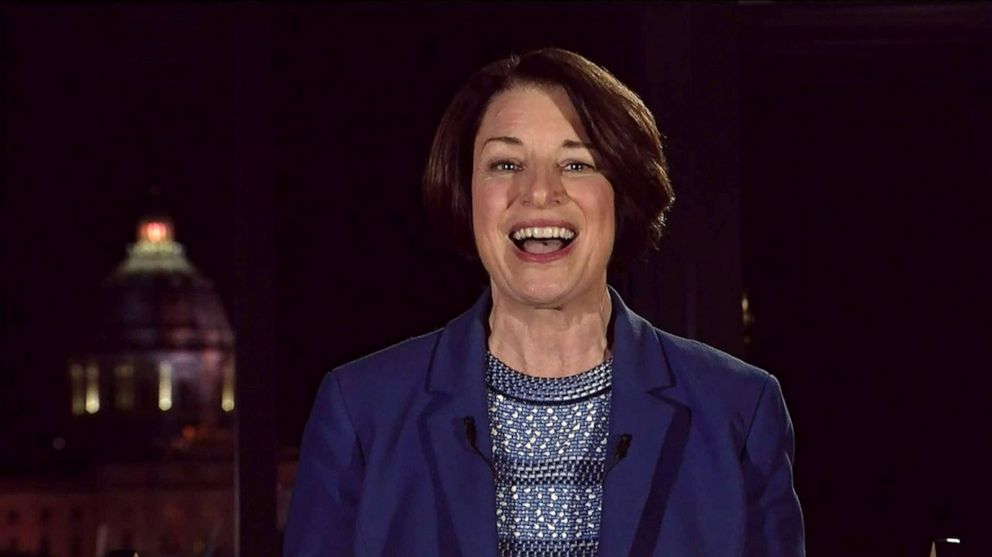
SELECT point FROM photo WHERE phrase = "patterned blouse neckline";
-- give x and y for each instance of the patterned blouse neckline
(509, 382)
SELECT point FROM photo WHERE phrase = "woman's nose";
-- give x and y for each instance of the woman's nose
(543, 187)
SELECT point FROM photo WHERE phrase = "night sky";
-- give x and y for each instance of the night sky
(851, 146)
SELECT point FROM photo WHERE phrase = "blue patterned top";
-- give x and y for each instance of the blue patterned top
(549, 452)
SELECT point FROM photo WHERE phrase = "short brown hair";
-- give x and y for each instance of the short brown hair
(620, 126)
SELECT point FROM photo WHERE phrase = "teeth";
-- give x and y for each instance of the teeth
(543, 232)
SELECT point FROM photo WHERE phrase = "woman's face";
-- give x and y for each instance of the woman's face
(542, 210)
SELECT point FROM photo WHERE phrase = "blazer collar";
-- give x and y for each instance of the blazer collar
(462, 347)
(461, 350)
(640, 373)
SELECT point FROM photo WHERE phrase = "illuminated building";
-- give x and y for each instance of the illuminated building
(158, 355)
(147, 460)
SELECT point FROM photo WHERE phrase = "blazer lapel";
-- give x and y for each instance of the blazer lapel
(467, 513)
(636, 489)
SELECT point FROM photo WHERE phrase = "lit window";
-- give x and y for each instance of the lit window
(227, 391)
(92, 389)
(164, 386)
(124, 391)
(77, 387)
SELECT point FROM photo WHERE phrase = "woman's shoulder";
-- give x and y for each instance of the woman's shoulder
(402, 355)
(695, 363)
(399, 362)
(720, 386)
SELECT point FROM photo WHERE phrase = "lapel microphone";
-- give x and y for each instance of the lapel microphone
(471, 435)
(621, 453)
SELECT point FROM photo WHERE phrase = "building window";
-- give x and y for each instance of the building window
(227, 390)
(124, 389)
(164, 386)
(78, 389)
(92, 389)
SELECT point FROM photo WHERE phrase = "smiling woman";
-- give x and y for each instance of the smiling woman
(535, 177)
(600, 434)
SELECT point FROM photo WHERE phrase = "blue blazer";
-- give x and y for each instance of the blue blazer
(386, 469)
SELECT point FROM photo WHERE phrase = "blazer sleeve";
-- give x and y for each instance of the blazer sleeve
(324, 503)
(774, 518)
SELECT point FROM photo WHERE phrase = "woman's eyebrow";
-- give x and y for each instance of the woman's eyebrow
(503, 139)
(572, 144)
(510, 140)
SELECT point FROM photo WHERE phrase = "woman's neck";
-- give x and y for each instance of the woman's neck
(550, 342)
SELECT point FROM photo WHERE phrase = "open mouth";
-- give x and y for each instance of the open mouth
(539, 240)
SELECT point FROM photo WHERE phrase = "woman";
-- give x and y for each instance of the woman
(548, 419)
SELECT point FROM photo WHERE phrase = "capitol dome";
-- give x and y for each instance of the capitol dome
(156, 299)
(159, 350)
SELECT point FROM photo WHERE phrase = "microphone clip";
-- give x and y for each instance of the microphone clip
(619, 454)
(472, 437)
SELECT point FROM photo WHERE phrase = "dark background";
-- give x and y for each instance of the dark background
(832, 161)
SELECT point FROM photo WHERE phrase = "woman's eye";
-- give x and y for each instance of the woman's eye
(576, 166)
(504, 166)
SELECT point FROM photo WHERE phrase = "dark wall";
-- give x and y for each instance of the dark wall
(866, 170)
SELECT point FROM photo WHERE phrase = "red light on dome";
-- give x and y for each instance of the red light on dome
(155, 231)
